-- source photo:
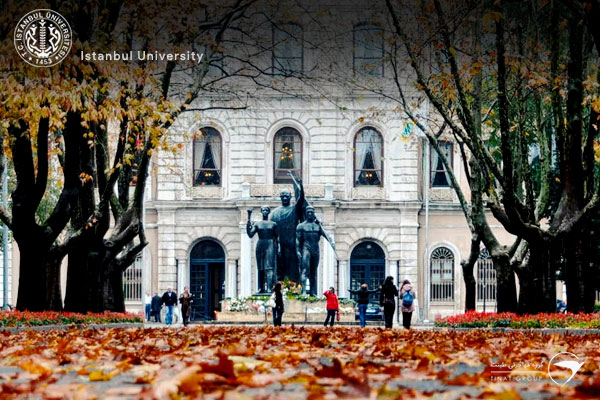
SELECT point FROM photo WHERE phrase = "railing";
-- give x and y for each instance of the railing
(442, 280)
(132, 281)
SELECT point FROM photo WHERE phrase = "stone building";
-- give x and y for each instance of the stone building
(366, 181)
(377, 188)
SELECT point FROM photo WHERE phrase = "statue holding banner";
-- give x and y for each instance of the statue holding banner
(287, 217)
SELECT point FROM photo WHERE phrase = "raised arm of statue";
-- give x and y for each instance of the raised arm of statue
(326, 236)
(300, 200)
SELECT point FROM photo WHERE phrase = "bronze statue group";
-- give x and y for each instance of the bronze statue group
(288, 247)
(288, 243)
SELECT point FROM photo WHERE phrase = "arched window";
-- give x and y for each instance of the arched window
(442, 275)
(368, 50)
(368, 158)
(439, 174)
(486, 278)
(207, 157)
(287, 49)
(287, 155)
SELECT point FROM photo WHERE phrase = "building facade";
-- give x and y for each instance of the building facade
(377, 189)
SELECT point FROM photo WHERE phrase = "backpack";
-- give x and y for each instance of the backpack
(407, 299)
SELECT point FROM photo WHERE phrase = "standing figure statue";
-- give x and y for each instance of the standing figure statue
(266, 249)
(287, 217)
(308, 234)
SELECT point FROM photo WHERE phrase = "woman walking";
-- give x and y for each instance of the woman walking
(278, 308)
(407, 295)
(333, 306)
(362, 299)
(388, 293)
(186, 299)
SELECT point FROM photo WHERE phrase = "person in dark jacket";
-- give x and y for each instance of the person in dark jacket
(169, 298)
(278, 309)
(362, 299)
(389, 292)
(156, 305)
(186, 299)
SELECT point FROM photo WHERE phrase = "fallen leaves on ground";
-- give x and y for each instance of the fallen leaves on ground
(234, 362)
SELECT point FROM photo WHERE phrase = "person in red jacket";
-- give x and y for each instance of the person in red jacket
(333, 306)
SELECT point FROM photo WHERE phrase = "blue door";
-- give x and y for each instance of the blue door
(207, 279)
(367, 265)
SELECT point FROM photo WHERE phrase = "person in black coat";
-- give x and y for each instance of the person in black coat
(186, 299)
(278, 309)
(156, 305)
(362, 299)
(169, 298)
(389, 292)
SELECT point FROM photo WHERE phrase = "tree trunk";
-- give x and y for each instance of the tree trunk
(506, 291)
(579, 277)
(78, 283)
(96, 280)
(467, 268)
(53, 291)
(113, 299)
(544, 279)
(32, 275)
(469, 286)
(526, 289)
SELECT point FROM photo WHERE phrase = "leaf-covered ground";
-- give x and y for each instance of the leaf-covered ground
(232, 362)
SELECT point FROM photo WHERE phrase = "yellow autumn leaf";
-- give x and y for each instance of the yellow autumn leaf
(101, 375)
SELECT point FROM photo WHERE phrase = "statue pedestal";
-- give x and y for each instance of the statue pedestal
(296, 311)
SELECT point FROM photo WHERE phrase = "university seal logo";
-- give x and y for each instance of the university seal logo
(43, 38)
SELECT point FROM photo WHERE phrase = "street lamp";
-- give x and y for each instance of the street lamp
(5, 233)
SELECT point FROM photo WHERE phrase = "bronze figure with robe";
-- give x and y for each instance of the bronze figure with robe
(266, 249)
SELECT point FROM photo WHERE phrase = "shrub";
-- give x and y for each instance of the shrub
(473, 319)
(28, 318)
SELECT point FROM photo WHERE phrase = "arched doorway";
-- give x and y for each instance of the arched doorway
(367, 265)
(207, 278)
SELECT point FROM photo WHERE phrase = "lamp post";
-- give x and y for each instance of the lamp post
(5, 233)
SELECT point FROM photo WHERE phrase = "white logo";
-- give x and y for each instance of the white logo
(43, 38)
(564, 360)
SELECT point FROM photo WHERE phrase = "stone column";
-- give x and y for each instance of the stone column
(344, 278)
(183, 275)
(245, 263)
(329, 264)
(392, 270)
(167, 273)
(230, 279)
(409, 231)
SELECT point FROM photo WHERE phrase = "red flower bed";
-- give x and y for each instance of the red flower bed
(473, 319)
(28, 318)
